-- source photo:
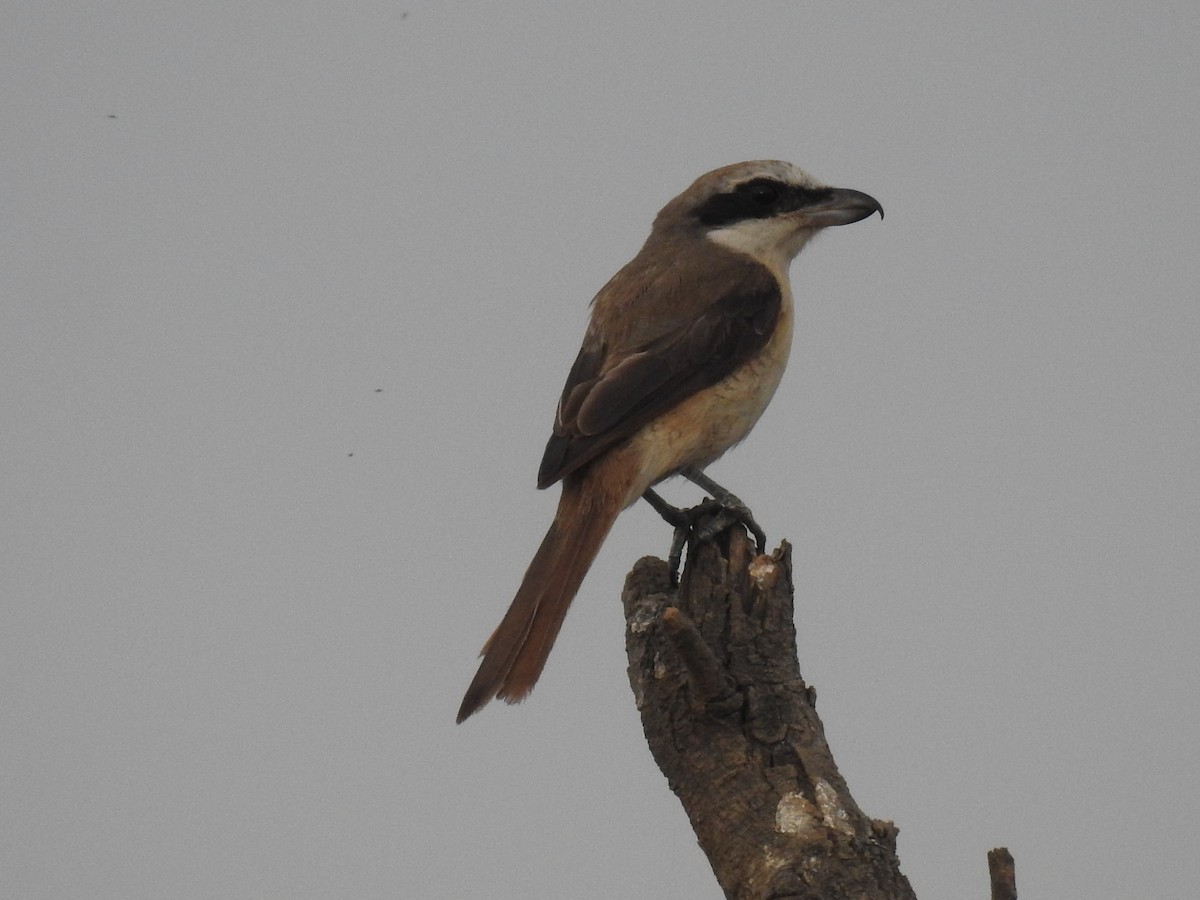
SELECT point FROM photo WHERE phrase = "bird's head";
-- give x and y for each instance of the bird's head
(767, 209)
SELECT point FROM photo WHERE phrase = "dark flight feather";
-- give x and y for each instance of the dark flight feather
(609, 395)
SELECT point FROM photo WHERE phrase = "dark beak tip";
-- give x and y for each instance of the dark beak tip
(875, 205)
(860, 200)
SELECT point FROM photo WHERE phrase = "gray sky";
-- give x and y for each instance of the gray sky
(279, 349)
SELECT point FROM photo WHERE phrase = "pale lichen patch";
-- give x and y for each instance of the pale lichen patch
(833, 814)
(795, 815)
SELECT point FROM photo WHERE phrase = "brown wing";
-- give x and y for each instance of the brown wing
(612, 392)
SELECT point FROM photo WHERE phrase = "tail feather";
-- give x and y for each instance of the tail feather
(515, 654)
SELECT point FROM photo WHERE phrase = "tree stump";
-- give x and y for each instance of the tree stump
(733, 726)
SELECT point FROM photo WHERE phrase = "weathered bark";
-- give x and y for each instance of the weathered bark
(733, 726)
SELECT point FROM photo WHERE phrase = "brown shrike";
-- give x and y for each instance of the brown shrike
(685, 348)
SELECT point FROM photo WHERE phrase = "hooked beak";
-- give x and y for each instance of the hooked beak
(841, 207)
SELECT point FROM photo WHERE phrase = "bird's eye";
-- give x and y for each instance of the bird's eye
(763, 193)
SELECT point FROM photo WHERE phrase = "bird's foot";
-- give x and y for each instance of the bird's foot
(733, 507)
(702, 522)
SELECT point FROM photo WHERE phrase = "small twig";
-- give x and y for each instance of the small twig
(1002, 870)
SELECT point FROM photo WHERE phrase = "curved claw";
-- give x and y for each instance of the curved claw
(703, 522)
(728, 501)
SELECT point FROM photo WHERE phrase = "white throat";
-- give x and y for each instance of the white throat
(773, 242)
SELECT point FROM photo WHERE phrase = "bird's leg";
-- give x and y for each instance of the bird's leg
(734, 510)
(682, 520)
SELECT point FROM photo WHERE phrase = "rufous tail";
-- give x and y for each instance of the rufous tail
(515, 654)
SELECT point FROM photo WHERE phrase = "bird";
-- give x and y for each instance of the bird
(684, 348)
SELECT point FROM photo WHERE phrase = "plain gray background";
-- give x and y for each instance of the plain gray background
(288, 294)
